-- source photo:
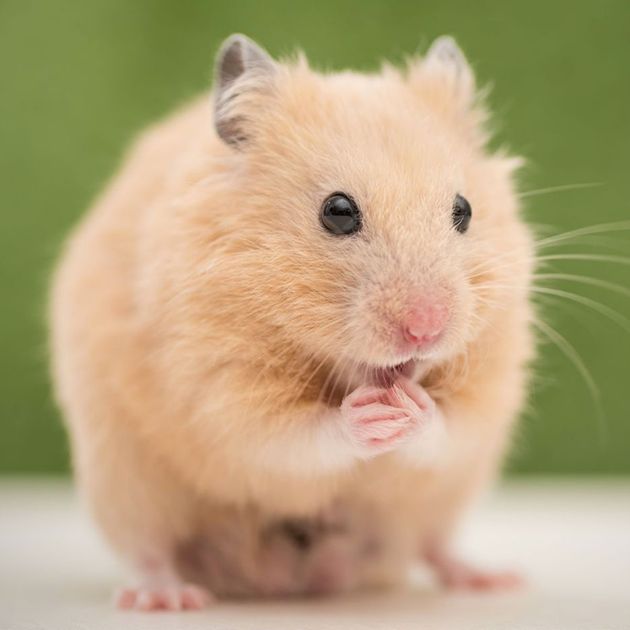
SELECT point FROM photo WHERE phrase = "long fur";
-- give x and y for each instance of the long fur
(204, 324)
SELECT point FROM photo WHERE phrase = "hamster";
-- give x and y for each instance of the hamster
(304, 295)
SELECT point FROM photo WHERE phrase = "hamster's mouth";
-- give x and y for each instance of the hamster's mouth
(386, 376)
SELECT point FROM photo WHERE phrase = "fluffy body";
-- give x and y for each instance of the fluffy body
(213, 345)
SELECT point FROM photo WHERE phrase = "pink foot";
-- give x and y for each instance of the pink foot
(457, 575)
(380, 419)
(172, 597)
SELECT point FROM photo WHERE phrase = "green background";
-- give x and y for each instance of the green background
(79, 79)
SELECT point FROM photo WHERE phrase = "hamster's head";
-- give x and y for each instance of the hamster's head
(375, 227)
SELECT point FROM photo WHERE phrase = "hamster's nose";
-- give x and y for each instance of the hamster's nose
(425, 322)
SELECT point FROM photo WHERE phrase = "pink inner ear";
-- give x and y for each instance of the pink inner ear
(445, 51)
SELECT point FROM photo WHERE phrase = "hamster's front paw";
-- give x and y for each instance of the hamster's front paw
(381, 419)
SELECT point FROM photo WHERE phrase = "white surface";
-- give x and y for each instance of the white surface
(572, 540)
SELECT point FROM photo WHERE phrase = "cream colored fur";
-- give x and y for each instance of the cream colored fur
(205, 328)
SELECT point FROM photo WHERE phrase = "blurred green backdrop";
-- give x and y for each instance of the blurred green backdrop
(80, 78)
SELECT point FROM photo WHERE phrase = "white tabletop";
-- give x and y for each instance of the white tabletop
(570, 538)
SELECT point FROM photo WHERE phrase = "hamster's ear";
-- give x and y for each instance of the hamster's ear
(243, 70)
(444, 79)
(446, 57)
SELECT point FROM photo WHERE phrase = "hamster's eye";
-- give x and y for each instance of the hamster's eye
(462, 213)
(340, 215)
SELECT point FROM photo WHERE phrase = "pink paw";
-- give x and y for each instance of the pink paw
(172, 597)
(471, 579)
(457, 575)
(380, 419)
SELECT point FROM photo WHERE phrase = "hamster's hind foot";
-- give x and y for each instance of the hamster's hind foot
(175, 596)
(458, 575)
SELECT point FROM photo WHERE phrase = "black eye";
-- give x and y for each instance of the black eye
(340, 215)
(462, 213)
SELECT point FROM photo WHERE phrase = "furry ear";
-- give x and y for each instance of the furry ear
(446, 81)
(444, 54)
(242, 70)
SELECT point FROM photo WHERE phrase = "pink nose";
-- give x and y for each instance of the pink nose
(425, 323)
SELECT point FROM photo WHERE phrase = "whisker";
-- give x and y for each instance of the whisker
(313, 372)
(600, 228)
(576, 360)
(593, 240)
(561, 188)
(604, 284)
(620, 320)
(326, 390)
(556, 304)
(622, 260)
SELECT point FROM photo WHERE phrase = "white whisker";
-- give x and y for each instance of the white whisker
(622, 260)
(561, 188)
(620, 320)
(600, 228)
(611, 286)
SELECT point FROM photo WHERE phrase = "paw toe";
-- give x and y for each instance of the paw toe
(168, 598)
